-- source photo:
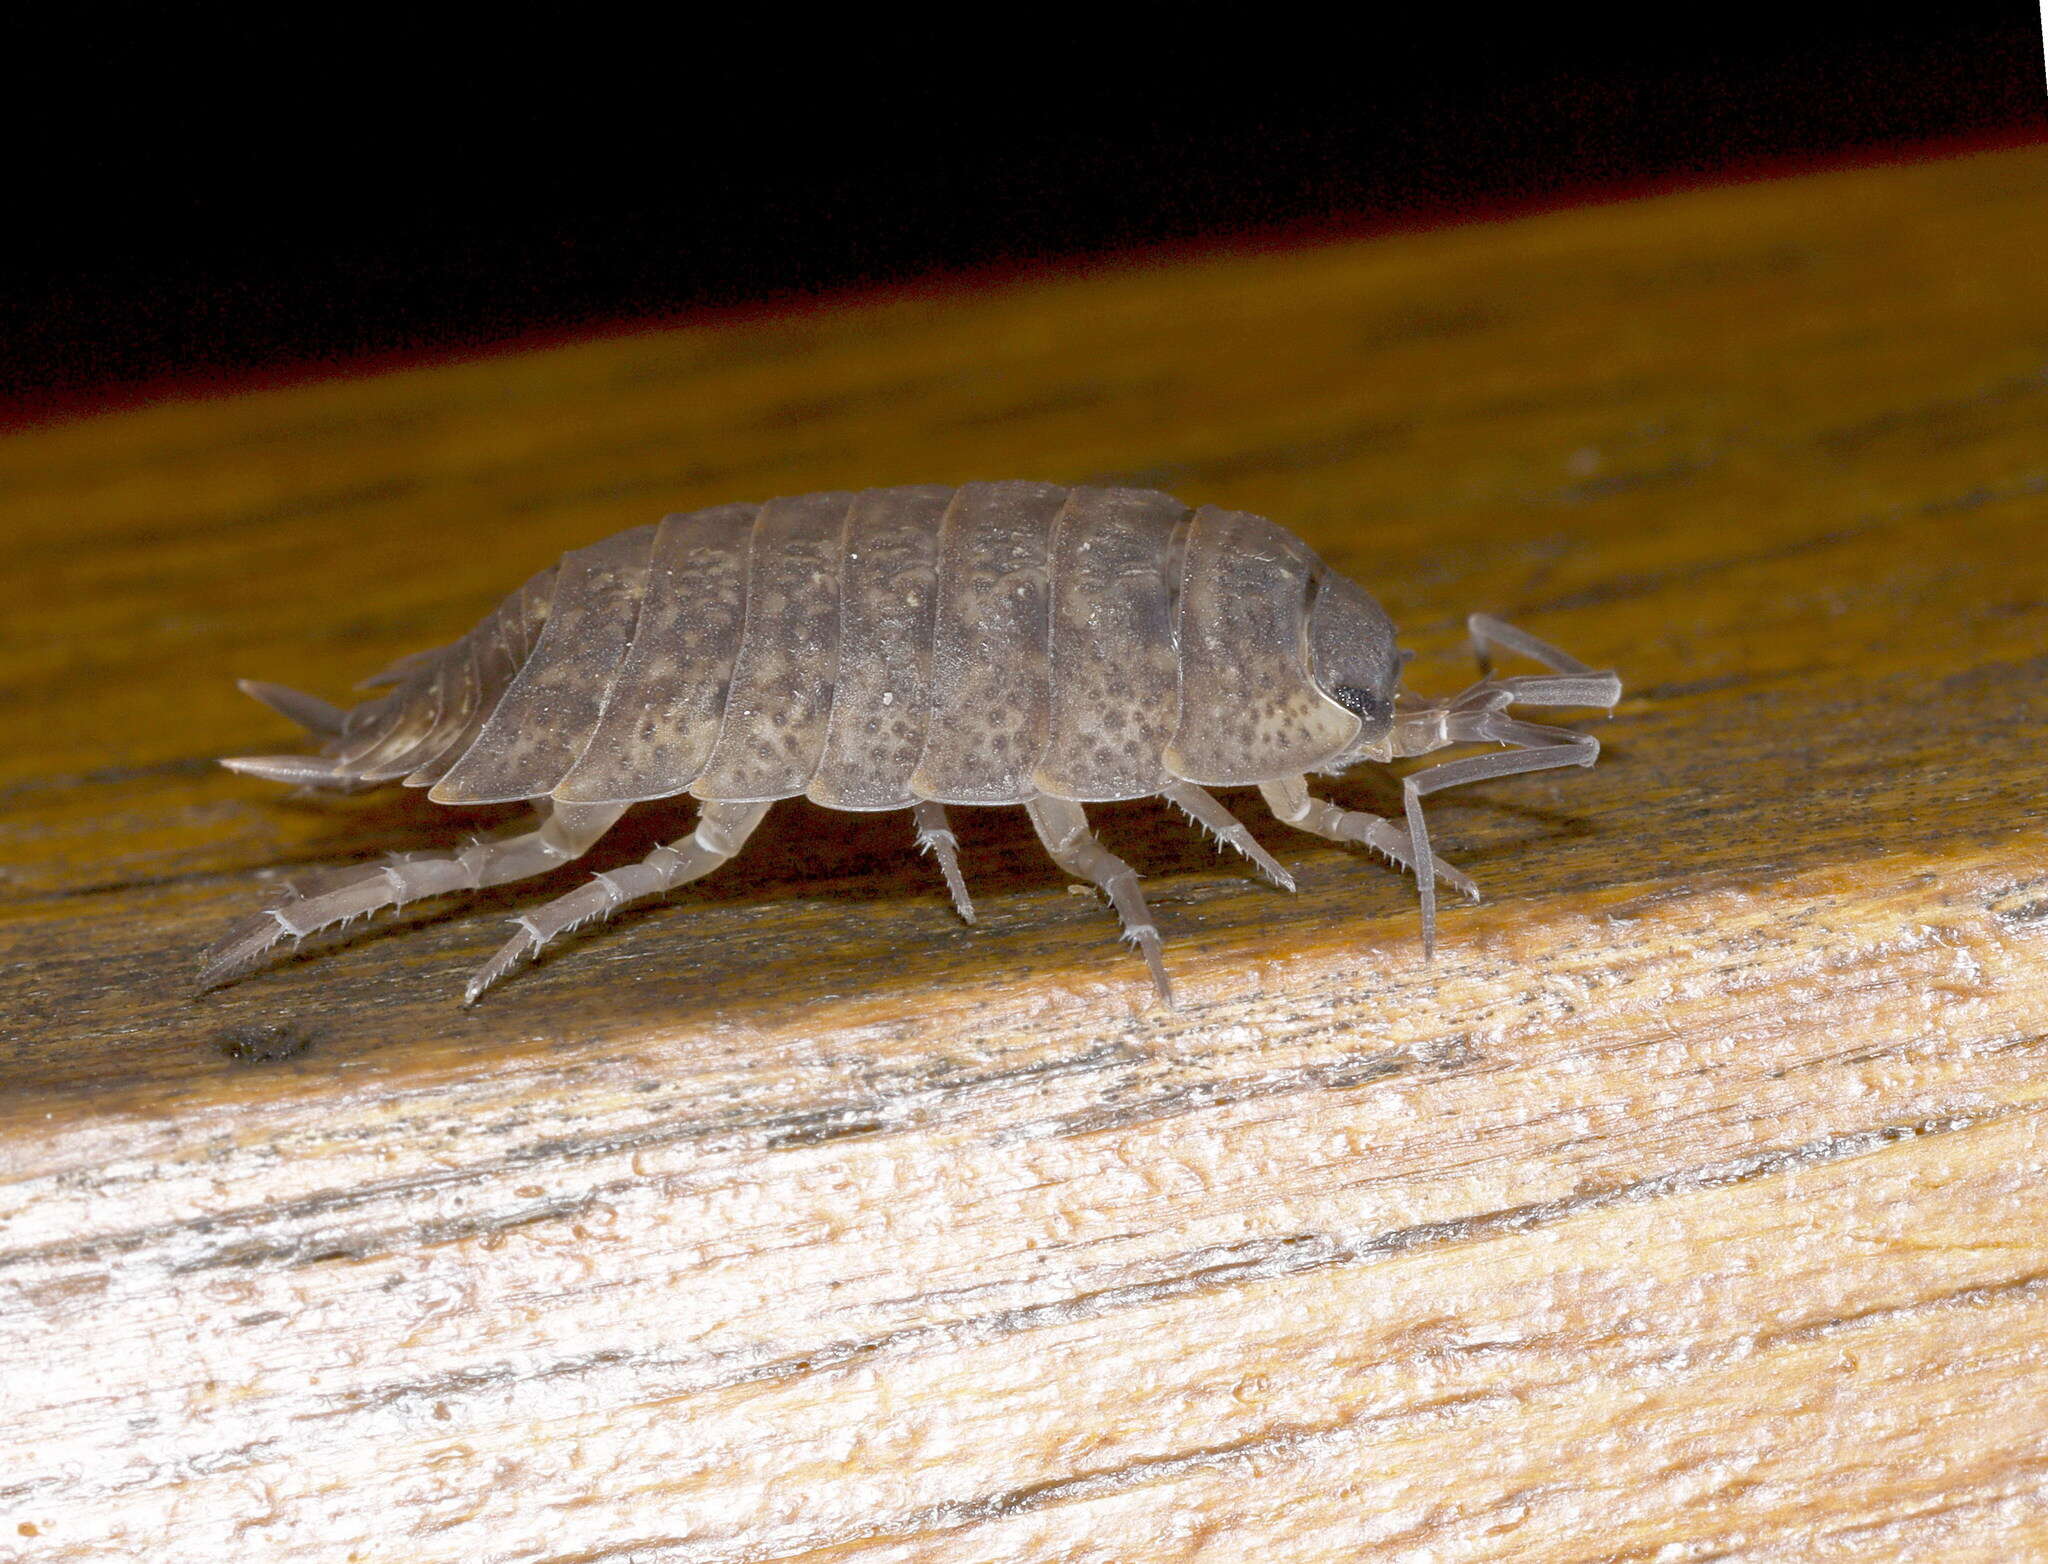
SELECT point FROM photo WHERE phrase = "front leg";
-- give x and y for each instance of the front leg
(1290, 801)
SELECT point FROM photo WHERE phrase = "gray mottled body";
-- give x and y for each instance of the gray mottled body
(978, 645)
(915, 647)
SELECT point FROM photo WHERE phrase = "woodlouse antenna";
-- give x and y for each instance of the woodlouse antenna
(1478, 714)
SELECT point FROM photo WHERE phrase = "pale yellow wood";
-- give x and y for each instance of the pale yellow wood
(1687, 1207)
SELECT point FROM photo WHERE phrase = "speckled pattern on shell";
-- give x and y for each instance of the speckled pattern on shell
(974, 645)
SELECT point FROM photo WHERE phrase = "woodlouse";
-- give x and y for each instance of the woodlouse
(906, 648)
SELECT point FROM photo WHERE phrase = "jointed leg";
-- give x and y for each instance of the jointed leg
(935, 836)
(1063, 827)
(568, 832)
(1204, 810)
(1290, 801)
(722, 829)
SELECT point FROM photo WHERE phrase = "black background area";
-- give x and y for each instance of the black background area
(298, 202)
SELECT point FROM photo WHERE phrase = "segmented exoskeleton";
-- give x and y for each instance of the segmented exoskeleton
(906, 648)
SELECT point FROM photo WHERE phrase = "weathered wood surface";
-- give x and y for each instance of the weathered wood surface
(1689, 1207)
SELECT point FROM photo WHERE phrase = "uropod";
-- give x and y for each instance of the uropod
(906, 648)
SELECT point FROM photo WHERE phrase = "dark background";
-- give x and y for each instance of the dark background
(334, 198)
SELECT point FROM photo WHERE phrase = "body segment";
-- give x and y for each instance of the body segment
(991, 690)
(667, 700)
(541, 723)
(783, 681)
(1113, 623)
(888, 598)
(1249, 709)
(913, 647)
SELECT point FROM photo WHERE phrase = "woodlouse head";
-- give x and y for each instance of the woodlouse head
(1355, 662)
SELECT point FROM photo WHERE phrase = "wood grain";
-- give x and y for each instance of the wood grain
(1687, 1207)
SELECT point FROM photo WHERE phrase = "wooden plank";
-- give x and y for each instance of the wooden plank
(1687, 1207)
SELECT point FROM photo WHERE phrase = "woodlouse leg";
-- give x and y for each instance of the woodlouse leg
(1063, 826)
(722, 830)
(568, 832)
(303, 884)
(1290, 801)
(936, 837)
(1204, 809)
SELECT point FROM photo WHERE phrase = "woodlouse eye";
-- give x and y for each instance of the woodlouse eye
(1371, 708)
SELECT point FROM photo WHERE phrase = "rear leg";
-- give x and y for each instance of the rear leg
(568, 832)
(304, 884)
(722, 830)
(1063, 827)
